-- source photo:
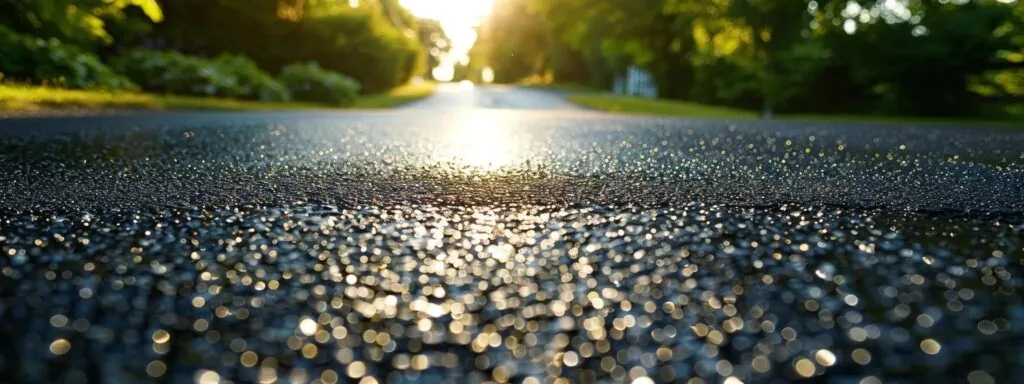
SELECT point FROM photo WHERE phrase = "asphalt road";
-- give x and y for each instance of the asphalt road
(499, 234)
(466, 96)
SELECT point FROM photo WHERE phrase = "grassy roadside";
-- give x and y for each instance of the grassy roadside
(636, 105)
(21, 99)
(398, 96)
(566, 88)
(610, 102)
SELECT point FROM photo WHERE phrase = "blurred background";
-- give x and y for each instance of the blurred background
(946, 58)
(328, 51)
(912, 57)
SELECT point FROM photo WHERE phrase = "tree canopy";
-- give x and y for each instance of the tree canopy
(375, 42)
(81, 22)
(942, 57)
(378, 42)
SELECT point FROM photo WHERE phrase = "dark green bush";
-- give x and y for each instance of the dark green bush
(225, 76)
(35, 60)
(250, 81)
(361, 45)
(360, 42)
(307, 81)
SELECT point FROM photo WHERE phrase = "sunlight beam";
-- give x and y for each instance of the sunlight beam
(459, 19)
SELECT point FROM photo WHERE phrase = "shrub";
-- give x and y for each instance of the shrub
(362, 43)
(307, 81)
(226, 75)
(49, 61)
(172, 72)
(84, 23)
(250, 81)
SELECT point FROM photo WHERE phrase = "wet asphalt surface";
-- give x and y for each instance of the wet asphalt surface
(495, 244)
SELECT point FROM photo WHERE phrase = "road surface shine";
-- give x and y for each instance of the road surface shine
(497, 242)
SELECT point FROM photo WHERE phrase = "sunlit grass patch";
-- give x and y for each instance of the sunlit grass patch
(636, 105)
(31, 98)
(398, 96)
(23, 98)
(16, 99)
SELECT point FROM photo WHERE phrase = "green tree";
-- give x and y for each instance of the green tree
(373, 43)
(435, 42)
(511, 42)
(902, 57)
(81, 22)
(923, 59)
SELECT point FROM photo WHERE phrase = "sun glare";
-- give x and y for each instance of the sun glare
(459, 19)
(482, 143)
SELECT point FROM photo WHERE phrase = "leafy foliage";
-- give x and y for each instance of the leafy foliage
(378, 43)
(900, 57)
(309, 82)
(435, 41)
(372, 43)
(31, 59)
(226, 75)
(510, 42)
(79, 22)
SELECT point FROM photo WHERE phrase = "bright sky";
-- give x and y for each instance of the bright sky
(458, 19)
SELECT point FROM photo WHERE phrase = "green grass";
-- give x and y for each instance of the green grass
(569, 88)
(635, 105)
(896, 119)
(29, 99)
(398, 96)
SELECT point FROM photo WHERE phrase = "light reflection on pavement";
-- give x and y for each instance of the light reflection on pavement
(475, 244)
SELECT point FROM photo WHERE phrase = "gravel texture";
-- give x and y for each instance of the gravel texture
(507, 246)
